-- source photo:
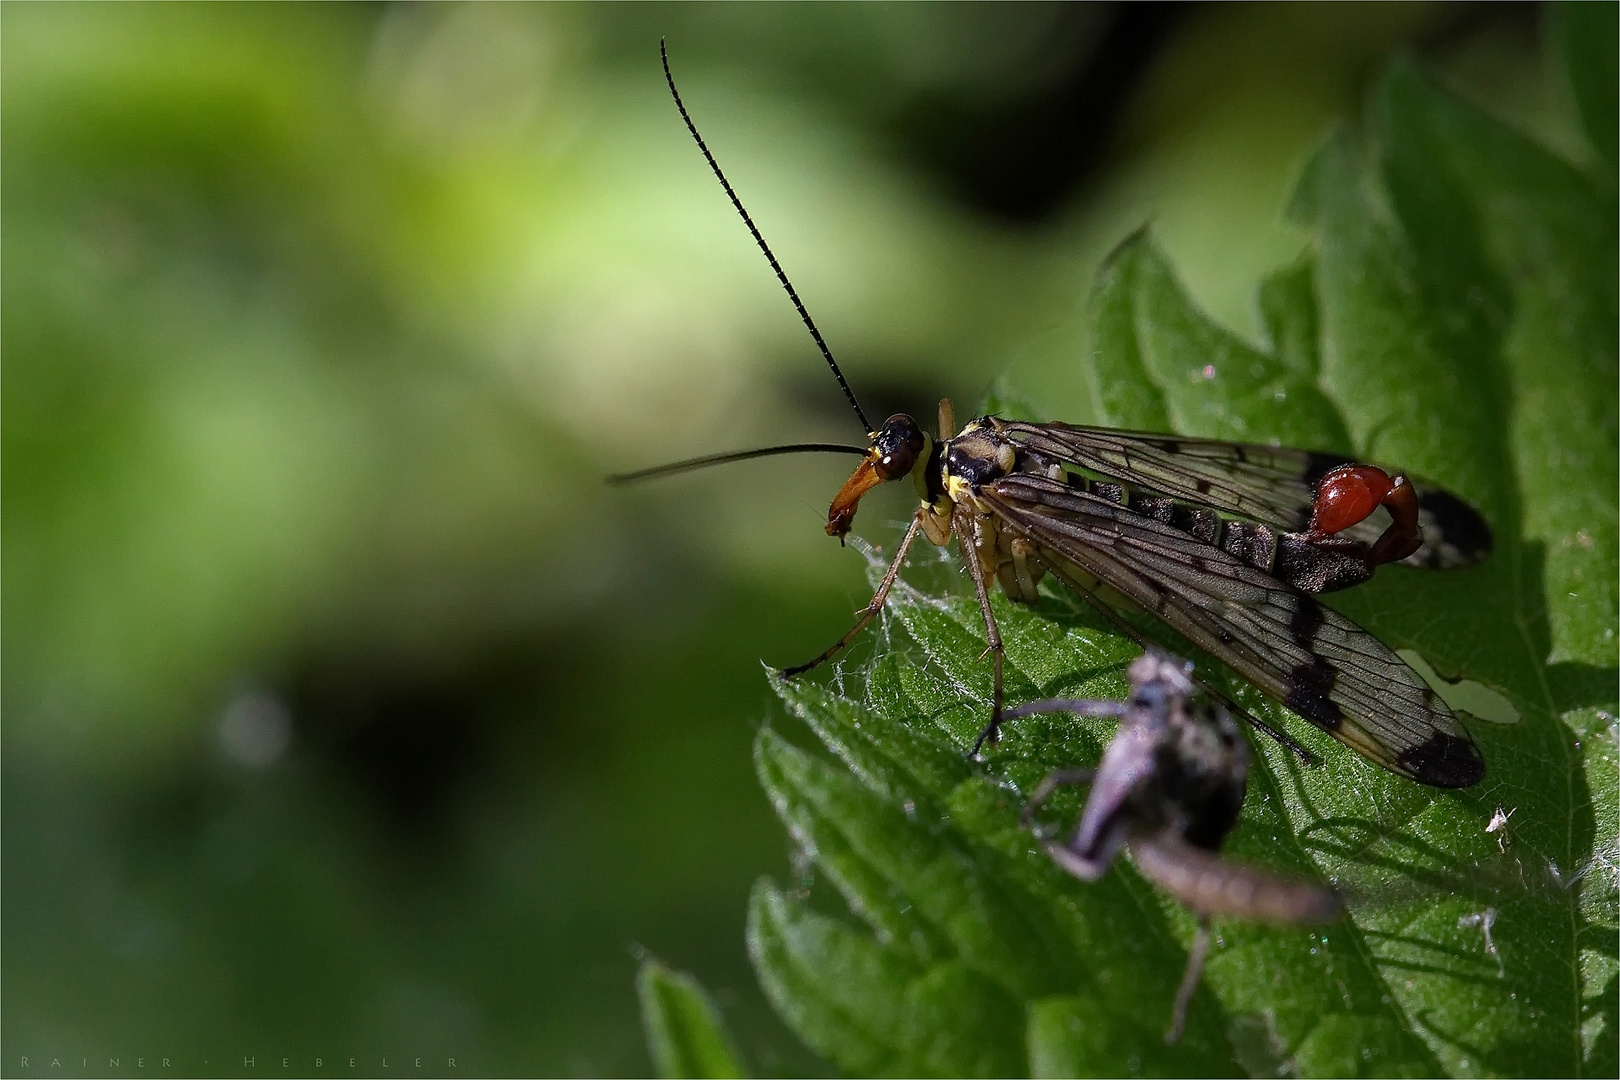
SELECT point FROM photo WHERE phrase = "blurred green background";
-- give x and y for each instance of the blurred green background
(346, 712)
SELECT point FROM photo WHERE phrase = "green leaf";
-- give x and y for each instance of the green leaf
(1470, 274)
(684, 1032)
(1455, 314)
(1200, 379)
(1584, 36)
(1288, 306)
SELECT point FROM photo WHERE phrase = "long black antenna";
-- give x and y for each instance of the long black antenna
(736, 455)
(810, 323)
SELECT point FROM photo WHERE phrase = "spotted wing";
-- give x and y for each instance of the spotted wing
(1275, 485)
(1308, 656)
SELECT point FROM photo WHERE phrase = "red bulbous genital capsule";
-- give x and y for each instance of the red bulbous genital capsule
(1346, 496)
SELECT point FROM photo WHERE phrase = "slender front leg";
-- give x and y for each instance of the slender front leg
(1043, 791)
(967, 526)
(866, 614)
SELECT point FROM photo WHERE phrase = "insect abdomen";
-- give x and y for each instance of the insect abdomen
(1304, 565)
(1254, 544)
(1216, 887)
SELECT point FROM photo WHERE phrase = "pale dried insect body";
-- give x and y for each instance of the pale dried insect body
(1170, 787)
(1499, 825)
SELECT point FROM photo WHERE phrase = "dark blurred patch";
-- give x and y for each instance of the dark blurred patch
(415, 735)
(1020, 157)
(1008, 107)
(1461, 23)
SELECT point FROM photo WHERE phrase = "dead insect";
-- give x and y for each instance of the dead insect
(1223, 541)
(1170, 786)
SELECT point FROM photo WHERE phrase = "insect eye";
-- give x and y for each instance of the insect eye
(897, 444)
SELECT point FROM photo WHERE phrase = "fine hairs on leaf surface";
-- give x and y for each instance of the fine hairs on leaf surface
(1455, 313)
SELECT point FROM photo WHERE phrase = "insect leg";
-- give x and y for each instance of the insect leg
(1281, 736)
(1086, 869)
(1081, 867)
(1043, 791)
(867, 613)
(992, 632)
(1189, 983)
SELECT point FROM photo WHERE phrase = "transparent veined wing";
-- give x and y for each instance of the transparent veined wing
(1275, 485)
(1320, 664)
